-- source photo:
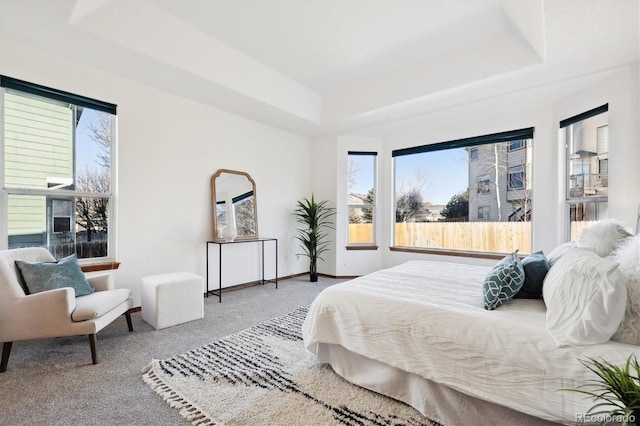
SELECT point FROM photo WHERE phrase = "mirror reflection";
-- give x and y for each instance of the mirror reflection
(234, 202)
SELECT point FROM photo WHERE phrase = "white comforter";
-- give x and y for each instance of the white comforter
(427, 318)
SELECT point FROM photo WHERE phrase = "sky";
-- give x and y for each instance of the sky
(444, 173)
(86, 148)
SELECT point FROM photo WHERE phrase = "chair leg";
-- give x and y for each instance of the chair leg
(6, 350)
(129, 323)
(94, 348)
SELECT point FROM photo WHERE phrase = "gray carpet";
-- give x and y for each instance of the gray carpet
(53, 382)
(264, 376)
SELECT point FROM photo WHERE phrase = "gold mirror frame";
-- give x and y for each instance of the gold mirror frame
(227, 186)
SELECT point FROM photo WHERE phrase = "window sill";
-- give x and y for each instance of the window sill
(363, 247)
(99, 266)
(444, 252)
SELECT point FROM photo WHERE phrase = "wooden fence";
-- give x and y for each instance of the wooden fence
(499, 237)
(81, 249)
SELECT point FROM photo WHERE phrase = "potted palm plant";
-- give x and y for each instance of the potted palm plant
(616, 391)
(315, 218)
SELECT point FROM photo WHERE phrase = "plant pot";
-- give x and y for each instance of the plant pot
(313, 278)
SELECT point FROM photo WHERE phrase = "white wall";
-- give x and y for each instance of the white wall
(168, 149)
(324, 184)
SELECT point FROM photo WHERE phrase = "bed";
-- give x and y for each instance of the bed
(418, 332)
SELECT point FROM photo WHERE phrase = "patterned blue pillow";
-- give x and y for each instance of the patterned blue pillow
(503, 281)
(43, 276)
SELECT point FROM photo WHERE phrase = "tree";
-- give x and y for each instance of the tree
(353, 168)
(100, 133)
(92, 212)
(367, 212)
(410, 203)
(457, 207)
(354, 216)
(408, 206)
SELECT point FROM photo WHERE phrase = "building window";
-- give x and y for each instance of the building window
(516, 145)
(484, 185)
(516, 178)
(361, 198)
(57, 170)
(442, 191)
(586, 137)
(484, 213)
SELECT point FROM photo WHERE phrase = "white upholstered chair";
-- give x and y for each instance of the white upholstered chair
(54, 313)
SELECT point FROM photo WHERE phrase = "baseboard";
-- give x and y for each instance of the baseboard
(340, 277)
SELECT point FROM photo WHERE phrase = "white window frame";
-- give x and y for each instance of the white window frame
(373, 208)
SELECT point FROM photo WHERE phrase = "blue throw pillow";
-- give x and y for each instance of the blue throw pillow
(503, 281)
(43, 276)
(535, 267)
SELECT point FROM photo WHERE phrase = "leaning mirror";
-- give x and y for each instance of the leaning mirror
(233, 196)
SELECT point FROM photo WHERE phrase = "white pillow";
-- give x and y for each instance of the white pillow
(560, 251)
(604, 236)
(585, 297)
(628, 254)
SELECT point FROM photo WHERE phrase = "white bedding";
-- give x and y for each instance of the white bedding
(427, 318)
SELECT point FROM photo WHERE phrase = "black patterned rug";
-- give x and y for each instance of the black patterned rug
(264, 376)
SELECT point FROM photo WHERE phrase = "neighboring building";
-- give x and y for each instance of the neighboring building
(356, 215)
(431, 213)
(38, 155)
(589, 168)
(499, 183)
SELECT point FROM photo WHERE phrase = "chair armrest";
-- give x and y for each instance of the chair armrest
(38, 315)
(60, 300)
(102, 281)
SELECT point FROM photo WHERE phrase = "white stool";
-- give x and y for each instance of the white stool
(171, 299)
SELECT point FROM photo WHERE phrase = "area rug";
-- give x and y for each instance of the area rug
(264, 376)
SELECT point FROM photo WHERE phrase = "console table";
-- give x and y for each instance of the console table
(221, 244)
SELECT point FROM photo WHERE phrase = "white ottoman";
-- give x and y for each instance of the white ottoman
(171, 299)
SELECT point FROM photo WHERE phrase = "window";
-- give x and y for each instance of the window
(56, 170)
(484, 185)
(516, 177)
(484, 213)
(361, 198)
(586, 138)
(455, 195)
(516, 145)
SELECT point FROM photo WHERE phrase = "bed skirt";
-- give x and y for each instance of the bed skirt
(437, 402)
